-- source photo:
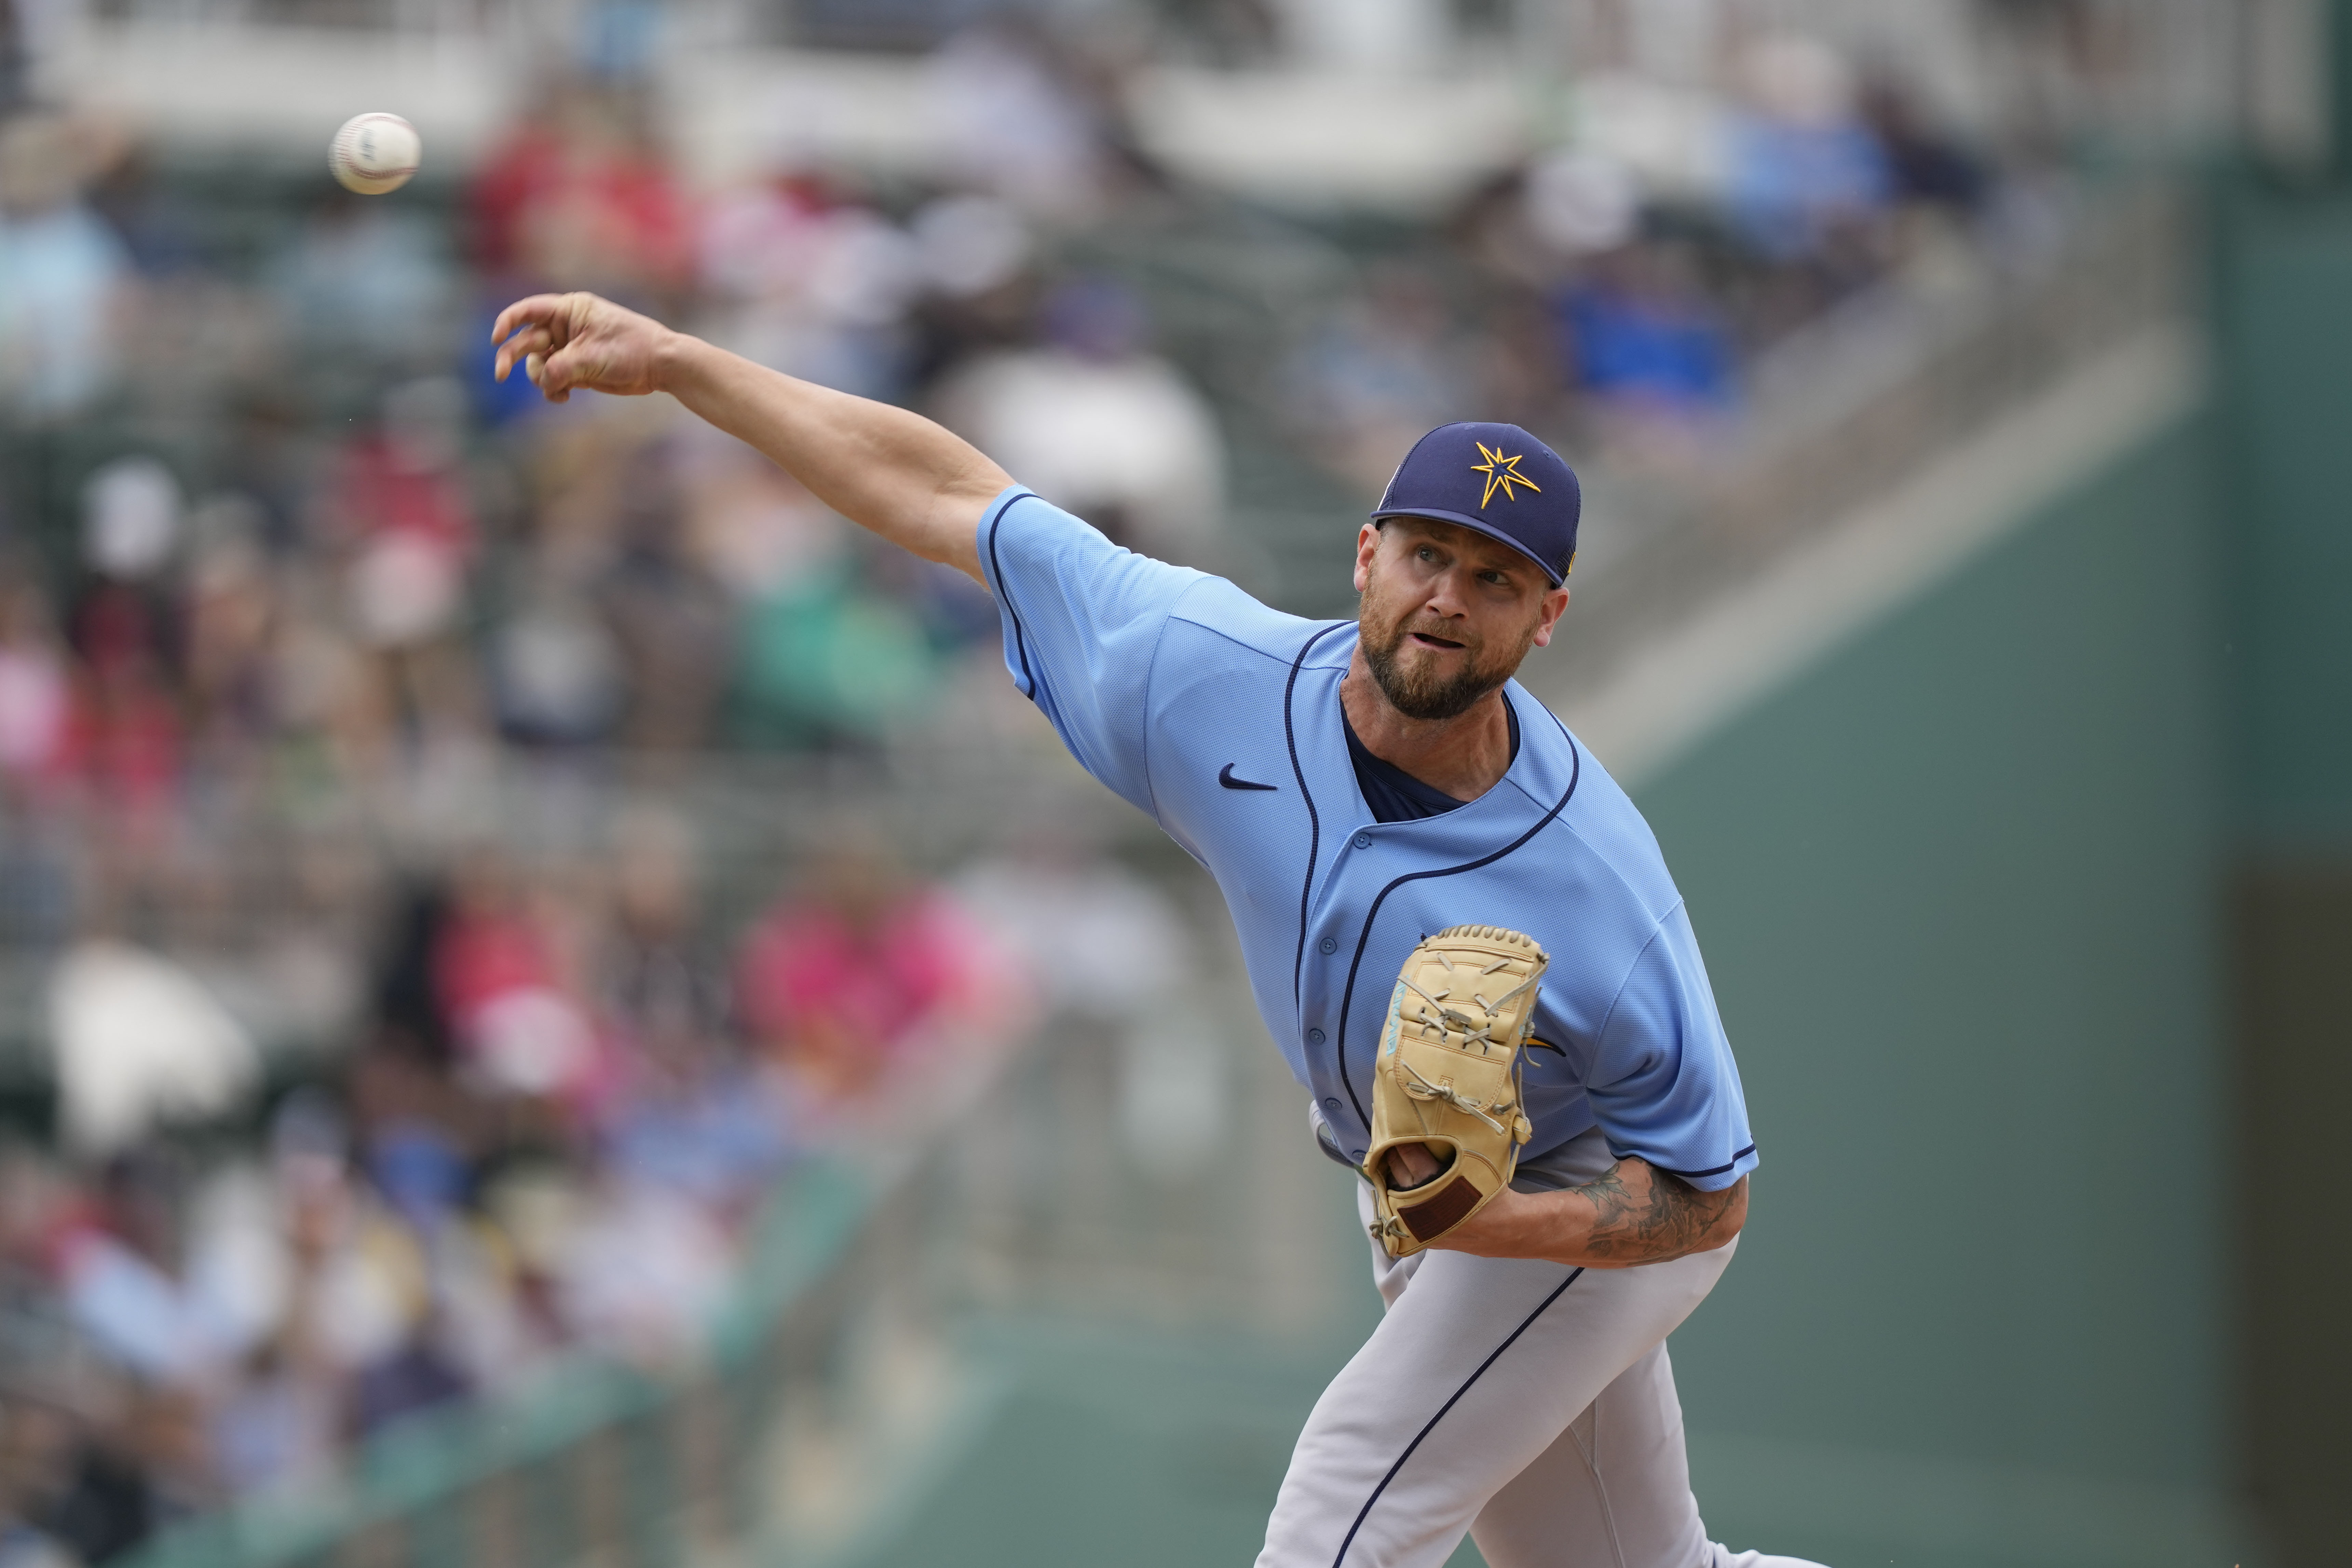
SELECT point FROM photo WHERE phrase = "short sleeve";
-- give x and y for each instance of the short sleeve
(1664, 1085)
(1082, 622)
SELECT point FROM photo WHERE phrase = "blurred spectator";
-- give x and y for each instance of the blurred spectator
(1581, 202)
(1105, 944)
(967, 245)
(671, 623)
(1923, 164)
(64, 277)
(579, 197)
(1805, 171)
(554, 666)
(828, 662)
(500, 979)
(230, 615)
(1387, 366)
(397, 505)
(822, 645)
(16, 56)
(1110, 951)
(131, 532)
(1100, 425)
(158, 226)
(137, 1040)
(811, 281)
(368, 279)
(860, 968)
(1641, 340)
(976, 255)
(1018, 120)
(642, 1272)
(664, 986)
(34, 693)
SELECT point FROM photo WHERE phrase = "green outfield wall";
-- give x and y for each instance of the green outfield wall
(1958, 888)
(2031, 912)
(2283, 333)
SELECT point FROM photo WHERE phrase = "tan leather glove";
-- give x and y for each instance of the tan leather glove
(1447, 1077)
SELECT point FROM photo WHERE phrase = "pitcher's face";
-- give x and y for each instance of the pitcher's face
(1446, 613)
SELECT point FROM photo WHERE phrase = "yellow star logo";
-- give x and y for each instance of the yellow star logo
(1501, 473)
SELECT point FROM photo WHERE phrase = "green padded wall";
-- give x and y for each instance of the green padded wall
(2283, 314)
(2285, 329)
(1957, 890)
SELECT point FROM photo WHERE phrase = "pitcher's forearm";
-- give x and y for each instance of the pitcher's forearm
(899, 475)
(1633, 1215)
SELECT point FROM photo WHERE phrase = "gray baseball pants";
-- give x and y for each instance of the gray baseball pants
(1528, 1404)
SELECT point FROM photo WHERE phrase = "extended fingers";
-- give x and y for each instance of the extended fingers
(531, 329)
(528, 345)
(539, 310)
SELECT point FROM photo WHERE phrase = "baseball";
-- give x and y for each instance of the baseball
(373, 153)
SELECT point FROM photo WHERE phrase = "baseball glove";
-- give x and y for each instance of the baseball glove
(1447, 1076)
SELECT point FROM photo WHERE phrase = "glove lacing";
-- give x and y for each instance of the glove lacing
(1478, 1035)
(1481, 1034)
(1421, 1089)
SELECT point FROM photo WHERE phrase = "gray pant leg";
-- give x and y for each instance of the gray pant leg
(1613, 1492)
(1476, 1370)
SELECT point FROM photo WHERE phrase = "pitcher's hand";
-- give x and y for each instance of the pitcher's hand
(572, 342)
(1411, 1164)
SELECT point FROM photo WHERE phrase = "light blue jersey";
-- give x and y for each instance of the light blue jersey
(1220, 717)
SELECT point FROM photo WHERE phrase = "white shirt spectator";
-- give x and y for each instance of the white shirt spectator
(1123, 441)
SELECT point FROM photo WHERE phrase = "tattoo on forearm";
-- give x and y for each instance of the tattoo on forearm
(1671, 1219)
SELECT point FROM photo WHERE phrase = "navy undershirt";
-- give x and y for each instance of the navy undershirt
(1394, 795)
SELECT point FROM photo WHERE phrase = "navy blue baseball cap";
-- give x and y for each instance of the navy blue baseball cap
(1498, 480)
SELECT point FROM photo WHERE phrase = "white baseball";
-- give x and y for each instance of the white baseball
(373, 153)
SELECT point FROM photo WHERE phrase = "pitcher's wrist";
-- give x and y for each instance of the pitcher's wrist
(672, 359)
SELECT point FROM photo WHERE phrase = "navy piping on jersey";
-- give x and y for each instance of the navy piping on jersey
(1020, 642)
(1339, 1052)
(1314, 821)
(1365, 1512)
(1693, 1175)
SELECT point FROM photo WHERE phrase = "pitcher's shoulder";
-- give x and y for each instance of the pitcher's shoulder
(1601, 821)
(1221, 608)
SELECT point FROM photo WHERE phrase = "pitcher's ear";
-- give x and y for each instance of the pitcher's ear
(1368, 545)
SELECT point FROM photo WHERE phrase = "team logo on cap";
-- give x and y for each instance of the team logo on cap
(1501, 473)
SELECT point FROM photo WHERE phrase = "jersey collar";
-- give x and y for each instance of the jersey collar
(1537, 778)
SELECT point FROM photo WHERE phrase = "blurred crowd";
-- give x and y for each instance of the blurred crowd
(264, 501)
(1612, 291)
(275, 549)
(570, 1088)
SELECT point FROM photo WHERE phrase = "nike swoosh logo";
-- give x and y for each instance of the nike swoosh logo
(1226, 777)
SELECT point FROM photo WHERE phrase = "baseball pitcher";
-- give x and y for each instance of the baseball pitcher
(1457, 927)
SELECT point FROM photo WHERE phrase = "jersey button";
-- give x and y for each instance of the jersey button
(1328, 944)
(1357, 1155)
(1363, 841)
(1315, 1037)
(1331, 1105)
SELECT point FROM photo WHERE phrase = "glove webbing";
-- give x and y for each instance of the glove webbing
(1485, 1034)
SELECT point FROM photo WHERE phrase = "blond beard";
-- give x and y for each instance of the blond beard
(1420, 694)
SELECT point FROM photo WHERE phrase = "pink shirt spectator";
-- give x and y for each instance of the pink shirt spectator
(842, 993)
